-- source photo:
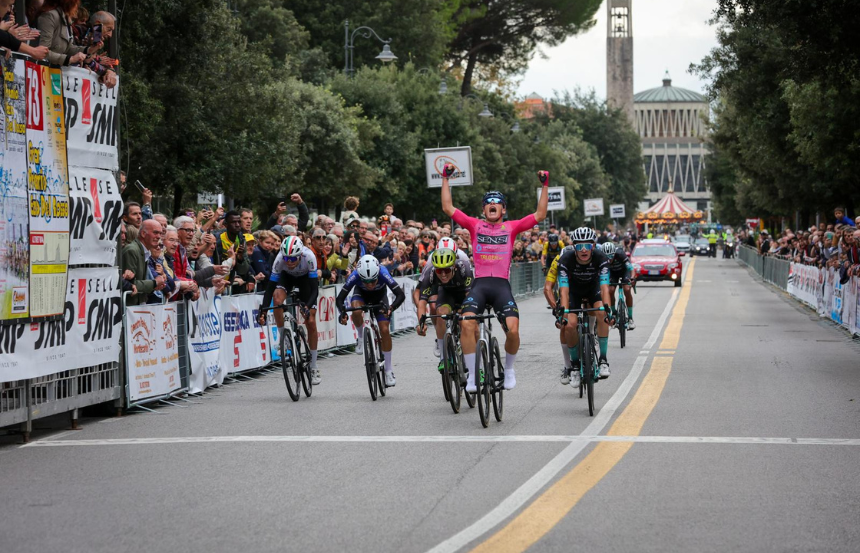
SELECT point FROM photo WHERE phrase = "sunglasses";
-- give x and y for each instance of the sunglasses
(584, 247)
(291, 258)
(493, 201)
(447, 271)
(370, 282)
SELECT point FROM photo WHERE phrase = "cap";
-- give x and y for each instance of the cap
(250, 238)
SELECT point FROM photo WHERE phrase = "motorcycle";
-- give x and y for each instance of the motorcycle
(729, 249)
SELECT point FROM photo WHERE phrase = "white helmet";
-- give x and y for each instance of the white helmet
(609, 248)
(583, 234)
(292, 246)
(447, 243)
(368, 268)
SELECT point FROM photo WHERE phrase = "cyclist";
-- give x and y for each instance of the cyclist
(550, 292)
(449, 280)
(551, 250)
(295, 266)
(371, 283)
(492, 244)
(446, 242)
(583, 277)
(620, 270)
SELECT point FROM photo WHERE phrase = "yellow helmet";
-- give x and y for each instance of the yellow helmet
(443, 258)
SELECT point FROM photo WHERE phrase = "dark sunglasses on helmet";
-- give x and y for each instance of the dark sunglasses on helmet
(584, 247)
(493, 201)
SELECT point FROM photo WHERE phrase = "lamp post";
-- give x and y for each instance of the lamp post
(443, 84)
(486, 111)
(349, 45)
(516, 126)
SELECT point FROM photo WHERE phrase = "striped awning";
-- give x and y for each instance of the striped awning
(669, 209)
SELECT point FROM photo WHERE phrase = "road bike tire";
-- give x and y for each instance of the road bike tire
(622, 323)
(498, 382)
(451, 373)
(482, 365)
(288, 365)
(380, 364)
(587, 363)
(303, 352)
(370, 363)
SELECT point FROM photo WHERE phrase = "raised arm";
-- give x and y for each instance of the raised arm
(543, 202)
(447, 200)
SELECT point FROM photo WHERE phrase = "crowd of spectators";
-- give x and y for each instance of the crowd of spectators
(835, 244)
(62, 33)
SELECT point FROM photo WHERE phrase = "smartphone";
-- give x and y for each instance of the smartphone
(139, 186)
(97, 33)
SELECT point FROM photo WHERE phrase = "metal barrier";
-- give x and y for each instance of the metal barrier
(771, 269)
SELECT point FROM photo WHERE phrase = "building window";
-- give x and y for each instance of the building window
(620, 23)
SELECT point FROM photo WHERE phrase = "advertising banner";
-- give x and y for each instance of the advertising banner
(204, 341)
(48, 189)
(556, 198)
(617, 211)
(91, 119)
(14, 208)
(405, 316)
(152, 353)
(803, 282)
(593, 207)
(96, 207)
(436, 158)
(849, 302)
(244, 343)
(327, 318)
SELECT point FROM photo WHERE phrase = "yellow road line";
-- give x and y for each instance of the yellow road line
(536, 520)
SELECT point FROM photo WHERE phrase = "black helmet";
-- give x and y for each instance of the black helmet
(552, 238)
(495, 197)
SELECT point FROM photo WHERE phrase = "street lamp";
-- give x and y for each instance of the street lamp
(516, 126)
(443, 84)
(349, 45)
(485, 112)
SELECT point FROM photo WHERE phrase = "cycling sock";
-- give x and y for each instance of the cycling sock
(313, 358)
(629, 312)
(604, 346)
(566, 355)
(469, 358)
(574, 353)
(387, 356)
(592, 322)
(360, 331)
(509, 361)
(439, 343)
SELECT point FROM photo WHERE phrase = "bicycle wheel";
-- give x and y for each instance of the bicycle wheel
(621, 321)
(498, 382)
(380, 364)
(482, 369)
(587, 364)
(370, 363)
(451, 373)
(303, 355)
(288, 365)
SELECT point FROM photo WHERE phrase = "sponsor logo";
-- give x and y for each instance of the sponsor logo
(494, 240)
(82, 301)
(87, 115)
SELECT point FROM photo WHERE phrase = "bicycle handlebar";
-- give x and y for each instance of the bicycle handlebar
(364, 307)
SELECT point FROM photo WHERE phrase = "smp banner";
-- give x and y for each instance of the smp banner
(152, 353)
(91, 119)
(14, 208)
(244, 344)
(204, 341)
(87, 335)
(48, 190)
(96, 207)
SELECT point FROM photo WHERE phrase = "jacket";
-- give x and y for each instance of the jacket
(54, 28)
(134, 259)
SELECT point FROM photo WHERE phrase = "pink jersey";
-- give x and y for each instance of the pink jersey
(493, 244)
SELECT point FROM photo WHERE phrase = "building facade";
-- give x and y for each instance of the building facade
(671, 124)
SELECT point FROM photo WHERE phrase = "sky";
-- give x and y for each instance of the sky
(667, 34)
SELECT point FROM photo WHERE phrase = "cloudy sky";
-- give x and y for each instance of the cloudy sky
(667, 34)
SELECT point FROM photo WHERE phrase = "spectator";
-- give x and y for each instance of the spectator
(131, 234)
(14, 38)
(356, 247)
(247, 218)
(839, 213)
(318, 237)
(186, 258)
(162, 219)
(230, 251)
(55, 24)
(337, 260)
(131, 214)
(177, 258)
(262, 257)
(157, 266)
(764, 246)
(409, 260)
(298, 222)
(350, 205)
(135, 258)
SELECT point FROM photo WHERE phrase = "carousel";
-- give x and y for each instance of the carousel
(670, 211)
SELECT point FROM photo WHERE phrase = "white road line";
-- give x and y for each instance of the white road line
(580, 439)
(533, 485)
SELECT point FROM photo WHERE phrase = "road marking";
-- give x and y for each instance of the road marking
(533, 485)
(553, 505)
(525, 438)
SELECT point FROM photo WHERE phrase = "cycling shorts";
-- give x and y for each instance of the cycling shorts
(452, 297)
(617, 276)
(367, 297)
(303, 284)
(584, 294)
(492, 291)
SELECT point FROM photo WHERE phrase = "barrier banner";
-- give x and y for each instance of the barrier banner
(96, 207)
(48, 188)
(152, 353)
(87, 335)
(849, 302)
(405, 316)
(204, 341)
(347, 335)
(14, 209)
(91, 119)
(802, 283)
(244, 343)
(327, 318)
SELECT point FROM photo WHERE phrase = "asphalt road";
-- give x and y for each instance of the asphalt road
(730, 423)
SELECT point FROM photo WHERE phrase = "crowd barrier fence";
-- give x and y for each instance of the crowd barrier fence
(24, 401)
(818, 288)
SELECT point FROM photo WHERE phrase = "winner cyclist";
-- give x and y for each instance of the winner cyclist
(620, 270)
(583, 277)
(492, 243)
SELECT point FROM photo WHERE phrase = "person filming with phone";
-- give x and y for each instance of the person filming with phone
(230, 250)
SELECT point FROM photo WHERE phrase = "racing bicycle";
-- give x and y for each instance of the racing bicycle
(294, 351)
(454, 372)
(489, 367)
(374, 362)
(588, 370)
(621, 310)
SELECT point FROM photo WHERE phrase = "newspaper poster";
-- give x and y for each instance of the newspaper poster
(48, 190)
(152, 353)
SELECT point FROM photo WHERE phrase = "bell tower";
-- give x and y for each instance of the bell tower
(619, 56)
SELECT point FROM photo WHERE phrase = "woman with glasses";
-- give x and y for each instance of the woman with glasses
(492, 245)
(583, 278)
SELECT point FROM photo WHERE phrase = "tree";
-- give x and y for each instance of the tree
(507, 32)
